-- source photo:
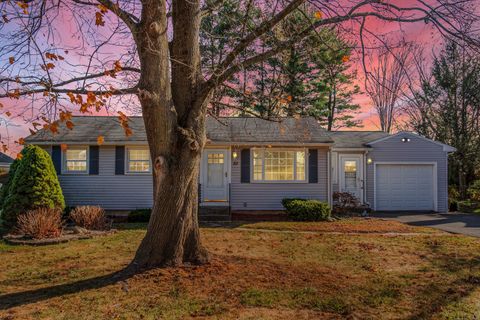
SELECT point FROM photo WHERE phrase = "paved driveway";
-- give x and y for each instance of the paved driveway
(468, 224)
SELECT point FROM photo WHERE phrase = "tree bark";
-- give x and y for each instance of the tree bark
(174, 103)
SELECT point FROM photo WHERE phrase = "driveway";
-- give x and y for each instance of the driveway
(462, 223)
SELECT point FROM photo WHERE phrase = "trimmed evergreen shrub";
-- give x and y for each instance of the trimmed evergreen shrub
(139, 215)
(34, 185)
(4, 190)
(287, 201)
(307, 210)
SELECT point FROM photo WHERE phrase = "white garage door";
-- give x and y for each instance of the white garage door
(404, 187)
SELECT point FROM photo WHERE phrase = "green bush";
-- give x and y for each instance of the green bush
(4, 190)
(473, 191)
(306, 210)
(287, 201)
(33, 185)
(453, 198)
(139, 215)
(469, 206)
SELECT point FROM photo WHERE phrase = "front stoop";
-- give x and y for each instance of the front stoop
(220, 213)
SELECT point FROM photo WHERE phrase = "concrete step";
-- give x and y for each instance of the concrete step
(214, 214)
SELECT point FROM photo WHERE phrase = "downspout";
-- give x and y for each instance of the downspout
(365, 177)
(329, 177)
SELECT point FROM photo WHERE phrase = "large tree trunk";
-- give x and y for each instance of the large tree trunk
(173, 235)
(174, 102)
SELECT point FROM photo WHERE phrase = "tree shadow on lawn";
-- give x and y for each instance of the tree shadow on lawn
(18, 299)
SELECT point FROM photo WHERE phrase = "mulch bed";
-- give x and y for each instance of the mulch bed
(67, 235)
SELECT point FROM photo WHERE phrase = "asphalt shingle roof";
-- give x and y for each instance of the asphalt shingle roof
(355, 139)
(5, 159)
(229, 130)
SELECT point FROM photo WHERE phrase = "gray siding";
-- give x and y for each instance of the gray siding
(110, 191)
(417, 150)
(268, 196)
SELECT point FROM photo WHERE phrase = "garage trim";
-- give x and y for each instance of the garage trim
(435, 181)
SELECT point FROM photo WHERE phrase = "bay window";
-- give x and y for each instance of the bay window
(270, 164)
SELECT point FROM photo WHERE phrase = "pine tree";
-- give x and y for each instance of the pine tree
(33, 185)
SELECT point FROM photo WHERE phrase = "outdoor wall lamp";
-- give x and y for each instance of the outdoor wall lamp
(369, 161)
(235, 155)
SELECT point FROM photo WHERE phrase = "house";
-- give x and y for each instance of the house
(252, 164)
(5, 162)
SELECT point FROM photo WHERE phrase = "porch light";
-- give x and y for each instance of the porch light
(369, 161)
(405, 139)
(235, 155)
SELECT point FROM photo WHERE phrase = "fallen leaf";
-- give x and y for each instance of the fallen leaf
(100, 140)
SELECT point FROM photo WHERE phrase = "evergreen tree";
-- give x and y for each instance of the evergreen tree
(33, 185)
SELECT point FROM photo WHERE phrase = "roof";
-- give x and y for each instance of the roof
(232, 130)
(445, 147)
(355, 139)
(5, 159)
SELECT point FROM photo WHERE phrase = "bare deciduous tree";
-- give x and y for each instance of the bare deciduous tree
(70, 55)
(386, 83)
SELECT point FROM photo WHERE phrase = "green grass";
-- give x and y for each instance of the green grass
(253, 275)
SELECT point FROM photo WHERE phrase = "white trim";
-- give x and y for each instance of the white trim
(360, 168)
(351, 149)
(64, 170)
(202, 177)
(334, 167)
(127, 159)
(446, 147)
(307, 155)
(435, 178)
(329, 178)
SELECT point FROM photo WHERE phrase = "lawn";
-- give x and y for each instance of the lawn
(258, 271)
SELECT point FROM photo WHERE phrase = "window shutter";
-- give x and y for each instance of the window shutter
(93, 159)
(245, 166)
(120, 160)
(312, 165)
(57, 158)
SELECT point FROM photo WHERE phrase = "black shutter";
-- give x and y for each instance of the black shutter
(312, 166)
(57, 158)
(93, 159)
(119, 160)
(245, 168)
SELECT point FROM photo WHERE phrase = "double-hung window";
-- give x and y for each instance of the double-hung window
(75, 159)
(278, 165)
(138, 160)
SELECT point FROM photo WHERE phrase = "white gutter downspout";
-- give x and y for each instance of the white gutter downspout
(329, 177)
(365, 177)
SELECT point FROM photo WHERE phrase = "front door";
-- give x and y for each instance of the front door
(351, 175)
(215, 176)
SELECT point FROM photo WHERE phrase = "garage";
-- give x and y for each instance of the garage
(405, 186)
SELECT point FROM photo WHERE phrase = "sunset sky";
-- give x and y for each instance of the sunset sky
(420, 33)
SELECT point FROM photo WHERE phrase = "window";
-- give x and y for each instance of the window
(76, 160)
(279, 165)
(138, 160)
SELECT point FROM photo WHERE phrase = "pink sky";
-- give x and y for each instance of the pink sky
(418, 32)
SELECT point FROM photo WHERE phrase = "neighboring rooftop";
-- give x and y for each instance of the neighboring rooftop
(230, 130)
(5, 159)
(355, 139)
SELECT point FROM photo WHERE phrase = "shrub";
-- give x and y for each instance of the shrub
(453, 198)
(89, 217)
(34, 184)
(287, 201)
(139, 215)
(307, 210)
(469, 206)
(40, 223)
(473, 191)
(345, 202)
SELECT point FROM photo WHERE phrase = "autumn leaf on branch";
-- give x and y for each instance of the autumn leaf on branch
(345, 59)
(69, 124)
(11, 60)
(19, 156)
(21, 141)
(8, 113)
(318, 15)
(99, 19)
(47, 66)
(23, 6)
